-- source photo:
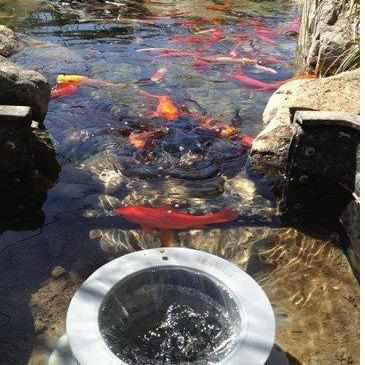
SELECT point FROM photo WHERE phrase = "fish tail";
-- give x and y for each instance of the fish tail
(225, 215)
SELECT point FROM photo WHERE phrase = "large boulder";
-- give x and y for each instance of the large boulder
(270, 149)
(24, 87)
(329, 36)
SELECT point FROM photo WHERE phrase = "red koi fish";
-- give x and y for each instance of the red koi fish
(63, 90)
(246, 141)
(266, 35)
(293, 27)
(144, 140)
(159, 75)
(189, 40)
(216, 35)
(168, 219)
(252, 83)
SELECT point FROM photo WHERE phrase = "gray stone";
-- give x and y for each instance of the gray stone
(24, 87)
(8, 41)
(328, 34)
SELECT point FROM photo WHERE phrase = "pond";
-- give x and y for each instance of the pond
(175, 91)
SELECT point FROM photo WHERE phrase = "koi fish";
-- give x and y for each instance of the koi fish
(216, 35)
(266, 35)
(220, 129)
(169, 219)
(71, 79)
(252, 83)
(159, 75)
(81, 80)
(62, 90)
(166, 109)
(293, 27)
(144, 140)
(246, 141)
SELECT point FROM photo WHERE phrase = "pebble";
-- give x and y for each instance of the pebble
(57, 272)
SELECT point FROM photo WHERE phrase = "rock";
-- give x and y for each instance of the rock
(28, 168)
(8, 41)
(24, 87)
(270, 149)
(329, 33)
(57, 272)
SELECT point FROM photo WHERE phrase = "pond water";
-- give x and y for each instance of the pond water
(194, 163)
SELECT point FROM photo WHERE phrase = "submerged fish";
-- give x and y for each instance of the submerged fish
(246, 141)
(81, 80)
(144, 140)
(168, 219)
(166, 109)
(266, 35)
(220, 129)
(293, 27)
(254, 83)
(159, 75)
(62, 90)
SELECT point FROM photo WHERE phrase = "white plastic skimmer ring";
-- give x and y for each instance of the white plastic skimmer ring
(170, 306)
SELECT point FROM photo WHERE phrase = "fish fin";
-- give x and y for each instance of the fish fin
(167, 237)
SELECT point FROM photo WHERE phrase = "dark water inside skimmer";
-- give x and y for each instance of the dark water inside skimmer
(183, 333)
(169, 316)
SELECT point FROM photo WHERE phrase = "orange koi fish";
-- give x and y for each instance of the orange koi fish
(144, 140)
(80, 80)
(166, 109)
(62, 90)
(222, 130)
(169, 219)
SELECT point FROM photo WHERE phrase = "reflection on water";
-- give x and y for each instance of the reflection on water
(189, 167)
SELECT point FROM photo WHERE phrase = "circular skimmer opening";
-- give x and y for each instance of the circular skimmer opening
(169, 315)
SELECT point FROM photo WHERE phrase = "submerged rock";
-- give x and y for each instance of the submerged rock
(24, 87)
